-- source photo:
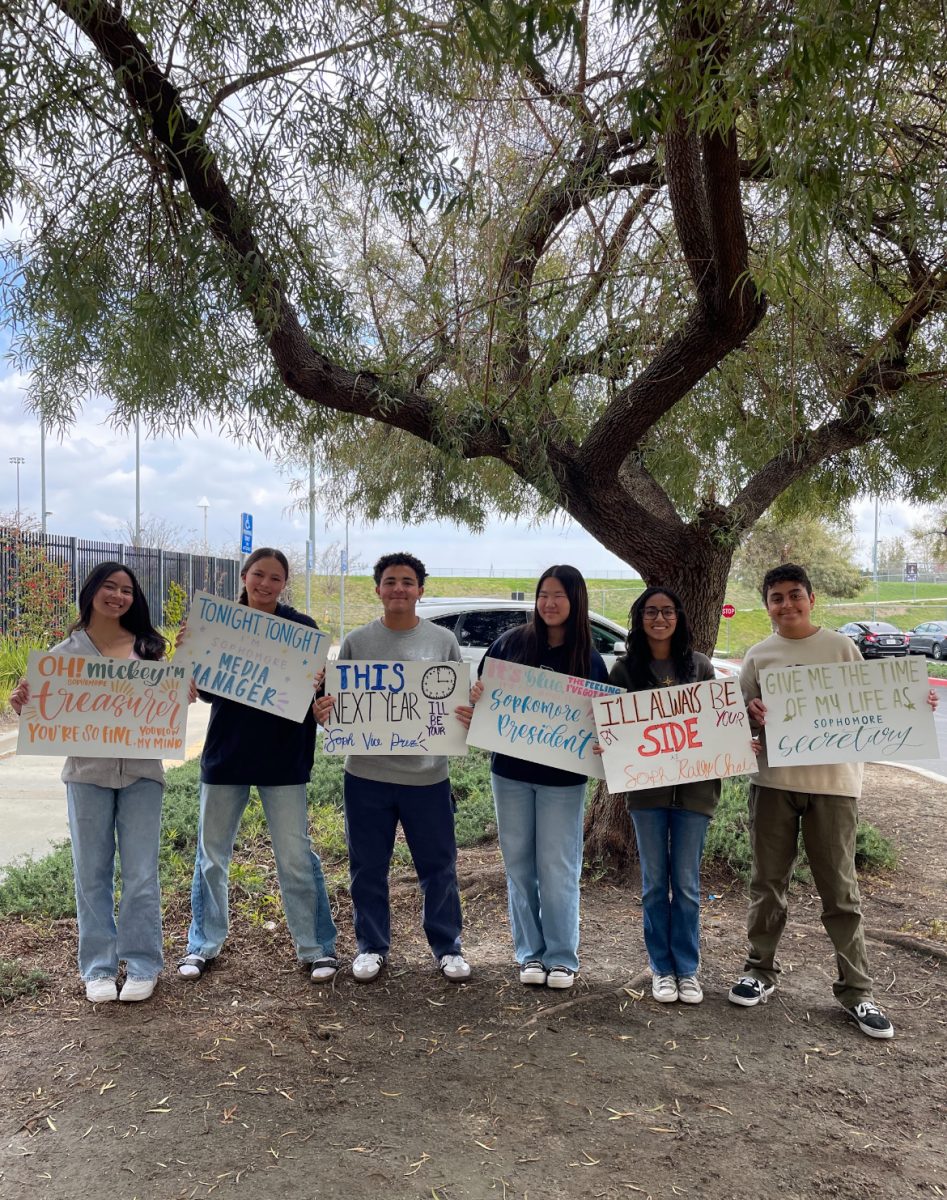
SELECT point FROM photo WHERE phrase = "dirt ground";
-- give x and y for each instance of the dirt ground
(254, 1083)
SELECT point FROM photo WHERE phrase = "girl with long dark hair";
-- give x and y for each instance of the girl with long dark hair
(540, 809)
(670, 822)
(245, 747)
(113, 799)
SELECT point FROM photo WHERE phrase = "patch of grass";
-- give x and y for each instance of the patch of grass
(40, 886)
(873, 852)
(17, 980)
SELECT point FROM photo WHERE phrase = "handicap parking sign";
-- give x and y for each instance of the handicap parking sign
(246, 533)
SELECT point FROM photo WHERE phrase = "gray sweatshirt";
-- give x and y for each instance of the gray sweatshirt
(103, 772)
(425, 642)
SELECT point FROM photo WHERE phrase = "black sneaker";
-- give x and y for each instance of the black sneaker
(870, 1019)
(748, 991)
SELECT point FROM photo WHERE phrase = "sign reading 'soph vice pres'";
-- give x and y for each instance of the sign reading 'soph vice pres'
(540, 716)
(672, 736)
(253, 657)
(396, 708)
(97, 707)
(848, 712)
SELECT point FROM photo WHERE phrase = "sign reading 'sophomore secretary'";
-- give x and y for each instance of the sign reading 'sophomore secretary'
(97, 707)
(396, 708)
(537, 715)
(848, 712)
(253, 657)
(677, 735)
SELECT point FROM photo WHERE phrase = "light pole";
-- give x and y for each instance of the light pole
(311, 544)
(42, 475)
(138, 483)
(204, 503)
(17, 462)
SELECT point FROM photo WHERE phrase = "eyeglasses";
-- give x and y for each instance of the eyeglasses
(652, 614)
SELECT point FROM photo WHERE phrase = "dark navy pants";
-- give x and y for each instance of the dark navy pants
(372, 813)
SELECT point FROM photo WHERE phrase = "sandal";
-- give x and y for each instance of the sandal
(322, 969)
(193, 966)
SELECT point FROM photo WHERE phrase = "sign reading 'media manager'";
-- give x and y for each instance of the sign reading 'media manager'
(253, 657)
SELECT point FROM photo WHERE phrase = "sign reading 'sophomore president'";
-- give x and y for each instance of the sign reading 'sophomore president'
(253, 657)
(539, 716)
(97, 707)
(848, 712)
(396, 708)
(674, 735)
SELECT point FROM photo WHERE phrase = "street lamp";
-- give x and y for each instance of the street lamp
(17, 462)
(204, 503)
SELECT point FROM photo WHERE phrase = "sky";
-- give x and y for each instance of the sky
(90, 493)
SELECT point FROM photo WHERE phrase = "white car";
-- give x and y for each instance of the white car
(477, 621)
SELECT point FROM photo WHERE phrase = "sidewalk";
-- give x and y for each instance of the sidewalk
(33, 797)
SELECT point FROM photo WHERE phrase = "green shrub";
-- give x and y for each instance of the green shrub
(16, 981)
(40, 886)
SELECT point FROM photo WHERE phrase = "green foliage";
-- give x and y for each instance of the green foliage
(175, 605)
(38, 599)
(40, 886)
(826, 550)
(14, 654)
(17, 980)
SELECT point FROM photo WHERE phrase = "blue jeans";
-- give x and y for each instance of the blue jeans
(540, 831)
(426, 813)
(302, 886)
(97, 815)
(670, 843)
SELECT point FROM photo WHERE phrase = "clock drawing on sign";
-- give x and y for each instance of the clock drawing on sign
(437, 683)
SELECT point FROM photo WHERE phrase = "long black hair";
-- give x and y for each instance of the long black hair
(534, 635)
(136, 619)
(263, 552)
(638, 655)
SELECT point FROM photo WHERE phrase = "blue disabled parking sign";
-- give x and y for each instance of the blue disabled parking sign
(246, 533)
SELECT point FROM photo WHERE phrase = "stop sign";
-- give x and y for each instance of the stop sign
(728, 611)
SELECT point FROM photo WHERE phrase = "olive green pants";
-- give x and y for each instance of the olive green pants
(828, 825)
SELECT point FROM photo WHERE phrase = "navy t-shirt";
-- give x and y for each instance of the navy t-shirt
(510, 647)
(245, 745)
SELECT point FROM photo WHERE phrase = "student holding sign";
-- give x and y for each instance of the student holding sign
(381, 790)
(114, 798)
(822, 801)
(670, 822)
(247, 746)
(540, 809)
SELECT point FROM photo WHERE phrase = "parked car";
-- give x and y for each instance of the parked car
(477, 621)
(930, 637)
(877, 638)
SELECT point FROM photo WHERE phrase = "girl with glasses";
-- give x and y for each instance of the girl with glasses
(670, 822)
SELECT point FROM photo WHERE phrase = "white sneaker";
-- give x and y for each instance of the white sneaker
(664, 988)
(689, 990)
(100, 991)
(533, 972)
(454, 967)
(365, 968)
(560, 977)
(137, 989)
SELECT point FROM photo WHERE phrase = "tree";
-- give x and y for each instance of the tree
(157, 533)
(826, 549)
(513, 254)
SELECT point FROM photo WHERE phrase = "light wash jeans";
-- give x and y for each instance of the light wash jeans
(302, 886)
(670, 843)
(97, 815)
(540, 832)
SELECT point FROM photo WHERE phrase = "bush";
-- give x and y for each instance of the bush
(15, 980)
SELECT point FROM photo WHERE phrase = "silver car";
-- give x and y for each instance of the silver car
(477, 621)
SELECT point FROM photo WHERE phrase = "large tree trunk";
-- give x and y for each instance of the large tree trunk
(696, 567)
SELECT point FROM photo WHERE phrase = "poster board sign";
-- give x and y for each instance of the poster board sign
(253, 657)
(848, 712)
(537, 715)
(672, 736)
(97, 707)
(396, 707)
